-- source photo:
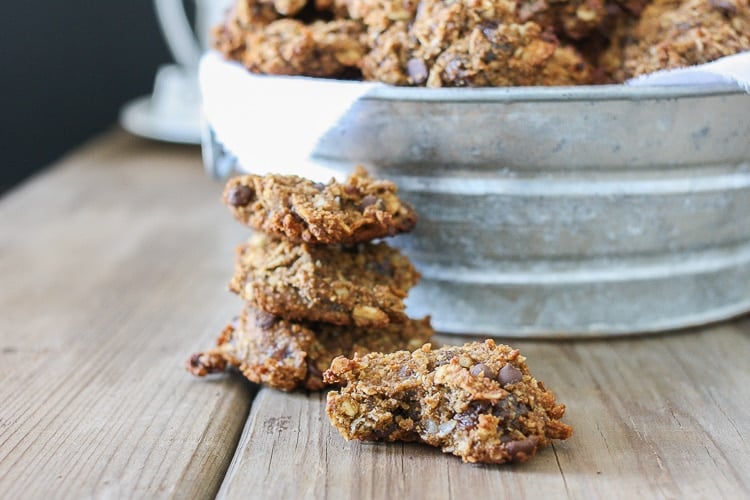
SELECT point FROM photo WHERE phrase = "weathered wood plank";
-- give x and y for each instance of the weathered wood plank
(113, 268)
(654, 417)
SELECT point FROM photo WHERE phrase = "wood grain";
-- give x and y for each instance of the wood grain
(114, 267)
(654, 417)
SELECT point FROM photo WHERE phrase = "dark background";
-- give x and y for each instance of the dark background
(67, 67)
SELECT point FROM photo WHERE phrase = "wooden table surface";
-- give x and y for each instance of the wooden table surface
(114, 265)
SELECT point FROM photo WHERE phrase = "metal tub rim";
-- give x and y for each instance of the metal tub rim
(534, 94)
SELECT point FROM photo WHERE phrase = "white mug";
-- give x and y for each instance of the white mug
(185, 44)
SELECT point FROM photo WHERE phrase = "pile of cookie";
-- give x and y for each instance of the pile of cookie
(314, 283)
(476, 43)
(324, 306)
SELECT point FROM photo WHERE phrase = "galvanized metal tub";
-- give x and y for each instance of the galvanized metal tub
(551, 212)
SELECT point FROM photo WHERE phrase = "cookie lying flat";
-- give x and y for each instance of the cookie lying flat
(363, 285)
(300, 210)
(478, 401)
(285, 355)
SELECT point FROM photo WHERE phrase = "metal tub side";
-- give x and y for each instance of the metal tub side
(560, 212)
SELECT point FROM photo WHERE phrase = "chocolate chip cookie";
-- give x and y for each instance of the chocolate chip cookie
(508, 55)
(300, 210)
(472, 44)
(678, 33)
(291, 47)
(245, 16)
(286, 355)
(478, 401)
(362, 285)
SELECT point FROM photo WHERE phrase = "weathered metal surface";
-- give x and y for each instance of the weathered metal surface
(562, 212)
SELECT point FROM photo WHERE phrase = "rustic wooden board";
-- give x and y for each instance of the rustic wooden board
(654, 417)
(113, 268)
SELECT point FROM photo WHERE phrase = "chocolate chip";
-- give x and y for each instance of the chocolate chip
(489, 30)
(313, 369)
(279, 353)
(453, 68)
(195, 360)
(369, 201)
(549, 36)
(265, 320)
(405, 371)
(319, 186)
(522, 449)
(465, 420)
(727, 7)
(314, 380)
(509, 374)
(469, 418)
(508, 410)
(443, 358)
(417, 71)
(383, 268)
(479, 368)
(351, 190)
(522, 409)
(351, 249)
(240, 196)
(384, 434)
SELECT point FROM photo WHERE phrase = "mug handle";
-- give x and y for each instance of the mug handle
(178, 33)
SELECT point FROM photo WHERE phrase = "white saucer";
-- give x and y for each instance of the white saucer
(182, 125)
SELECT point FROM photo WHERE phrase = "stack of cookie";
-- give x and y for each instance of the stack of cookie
(324, 304)
(315, 285)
